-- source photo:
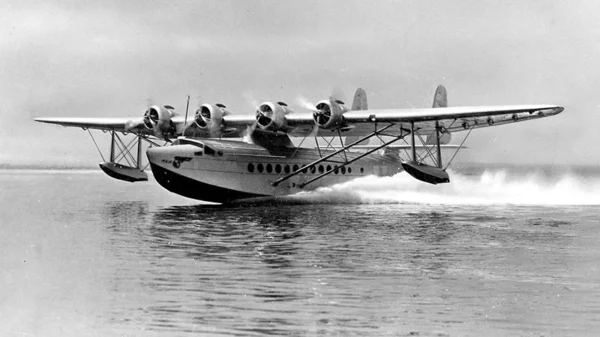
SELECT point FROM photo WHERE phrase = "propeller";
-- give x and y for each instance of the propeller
(322, 113)
(202, 114)
(305, 103)
(151, 118)
(337, 94)
(250, 99)
(264, 115)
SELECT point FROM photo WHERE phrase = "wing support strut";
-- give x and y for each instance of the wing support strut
(125, 159)
(343, 149)
(397, 138)
(419, 169)
(437, 142)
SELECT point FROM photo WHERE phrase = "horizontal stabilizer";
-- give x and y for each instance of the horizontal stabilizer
(429, 174)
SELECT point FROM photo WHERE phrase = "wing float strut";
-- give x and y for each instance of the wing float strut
(122, 163)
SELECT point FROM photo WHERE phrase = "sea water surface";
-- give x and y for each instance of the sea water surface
(500, 252)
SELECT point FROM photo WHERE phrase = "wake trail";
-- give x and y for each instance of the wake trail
(488, 188)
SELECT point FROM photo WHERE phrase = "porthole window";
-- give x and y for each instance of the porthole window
(362, 170)
(260, 168)
(295, 168)
(313, 169)
(321, 169)
(349, 170)
(269, 168)
(277, 168)
(343, 169)
(304, 169)
(335, 169)
(250, 167)
(328, 168)
(286, 169)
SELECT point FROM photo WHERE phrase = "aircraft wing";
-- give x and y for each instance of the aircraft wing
(105, 124)
(355, 123)
(450, 119)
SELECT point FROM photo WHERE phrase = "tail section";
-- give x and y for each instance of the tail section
(440, 100)
(360, 100)
(359, 103)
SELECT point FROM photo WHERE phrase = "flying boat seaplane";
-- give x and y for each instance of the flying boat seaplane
(222, 157)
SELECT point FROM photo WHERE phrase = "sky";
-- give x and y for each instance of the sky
(113, 58)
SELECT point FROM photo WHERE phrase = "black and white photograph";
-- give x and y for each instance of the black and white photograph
(299, 168)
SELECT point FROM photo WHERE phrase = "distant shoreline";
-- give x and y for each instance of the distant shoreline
(45, 167)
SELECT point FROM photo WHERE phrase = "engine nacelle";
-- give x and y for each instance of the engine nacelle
(209, 117)
(329, 114)
(271, 116)
(158, 119)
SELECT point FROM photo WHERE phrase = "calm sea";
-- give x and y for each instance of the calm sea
(497, 252)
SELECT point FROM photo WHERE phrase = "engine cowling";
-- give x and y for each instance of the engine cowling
(271, 116)
(158, 119)
(329, 114)
(209, 117)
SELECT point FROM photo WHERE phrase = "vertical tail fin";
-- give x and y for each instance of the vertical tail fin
(440, 98)
(359, 103)
(360, 100)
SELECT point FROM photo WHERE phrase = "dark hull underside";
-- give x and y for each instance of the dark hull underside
(193, 189)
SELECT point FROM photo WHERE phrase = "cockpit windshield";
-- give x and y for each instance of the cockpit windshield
(209, 151)
(188, 141)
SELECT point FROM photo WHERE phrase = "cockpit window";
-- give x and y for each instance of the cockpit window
(209, 151)
(186, 141)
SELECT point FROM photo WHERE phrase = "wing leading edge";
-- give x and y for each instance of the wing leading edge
(106, 124)
(454, 119)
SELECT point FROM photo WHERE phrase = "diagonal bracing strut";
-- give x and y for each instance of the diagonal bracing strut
(316, 162)
(397, 138)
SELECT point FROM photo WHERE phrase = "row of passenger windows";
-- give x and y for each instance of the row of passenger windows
(277, 168)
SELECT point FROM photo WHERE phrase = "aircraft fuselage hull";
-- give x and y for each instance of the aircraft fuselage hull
(226, 171)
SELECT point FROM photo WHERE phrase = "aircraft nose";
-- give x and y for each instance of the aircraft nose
(170, 155)
(153, 154)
